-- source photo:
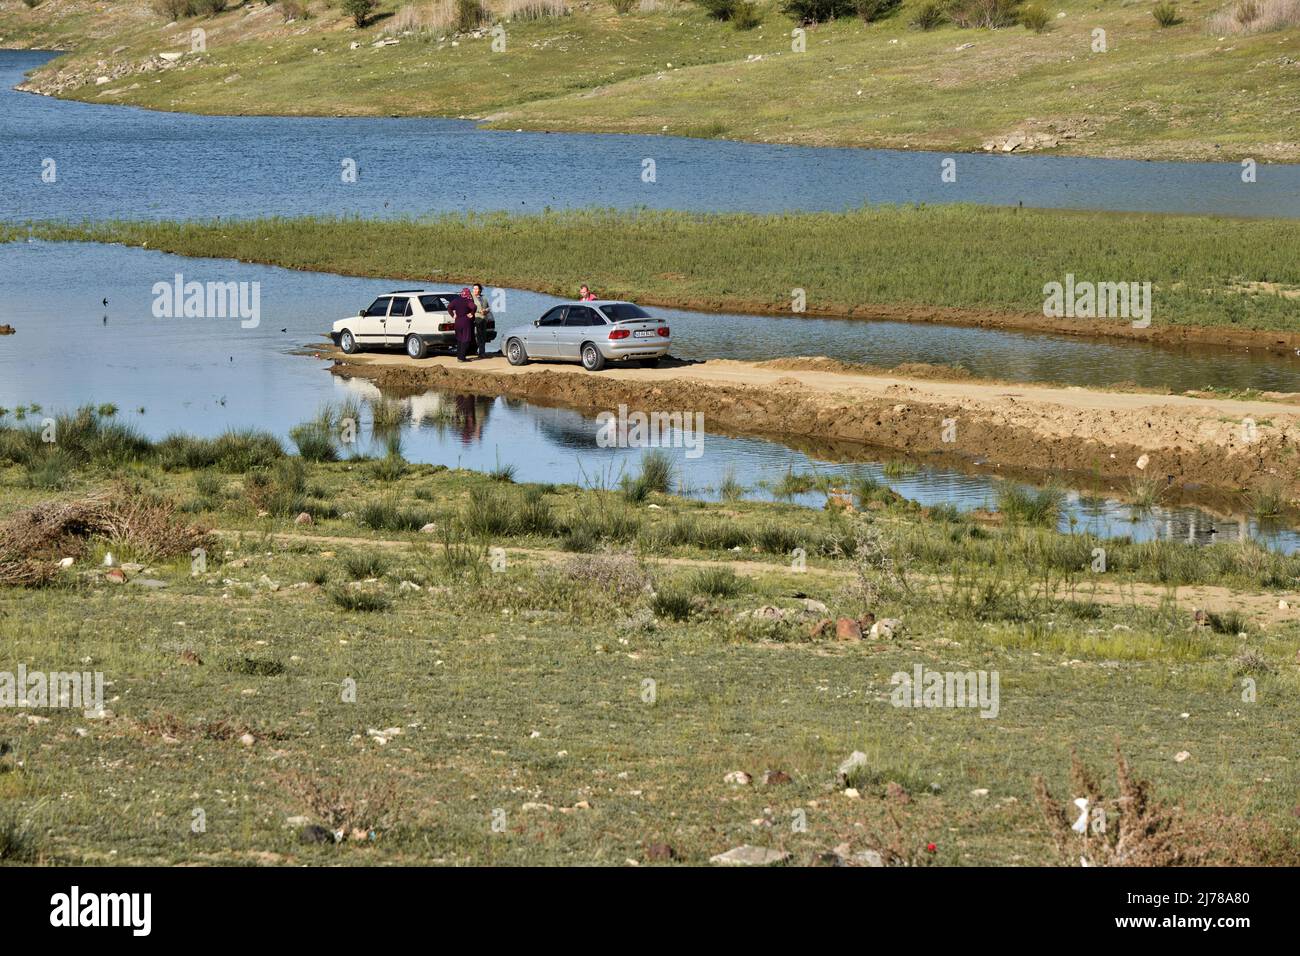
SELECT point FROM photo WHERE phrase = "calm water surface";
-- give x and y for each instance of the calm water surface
(119, 162)
(204, 376)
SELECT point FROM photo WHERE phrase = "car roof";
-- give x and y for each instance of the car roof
(419, 292)
(596, 302)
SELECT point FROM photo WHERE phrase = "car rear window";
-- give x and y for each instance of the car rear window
(625, 312)
(434, 303)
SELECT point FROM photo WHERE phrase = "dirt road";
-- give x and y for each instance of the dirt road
(1172, 439)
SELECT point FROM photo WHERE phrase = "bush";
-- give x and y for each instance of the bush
(819, 11)
(1035, 18)
(174, 9)
(209, 7)
(622, 7)
(872, 10)
(293, 10)
(1166, 15)
(359, 10)
(1255, 16)
(469, 15)
(718, 582)
(673, 603)
(746, 16)
(31, 4)
(314, 442)
(990, 14)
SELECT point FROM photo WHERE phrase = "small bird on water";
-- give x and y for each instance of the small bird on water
(105, 300)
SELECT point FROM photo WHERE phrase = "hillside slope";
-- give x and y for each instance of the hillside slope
(1176, 93)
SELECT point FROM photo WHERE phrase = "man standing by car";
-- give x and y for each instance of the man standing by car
(481, 314)
(462, 313)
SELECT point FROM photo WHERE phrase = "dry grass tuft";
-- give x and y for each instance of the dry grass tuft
(32, 541)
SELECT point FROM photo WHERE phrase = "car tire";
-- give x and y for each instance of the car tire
(592, 359)
(515, 352)
(348, 342)
(415, 347)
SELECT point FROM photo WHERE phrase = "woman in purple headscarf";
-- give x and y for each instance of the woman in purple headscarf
(462, 314)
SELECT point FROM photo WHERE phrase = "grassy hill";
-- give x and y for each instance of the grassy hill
(1182, 92)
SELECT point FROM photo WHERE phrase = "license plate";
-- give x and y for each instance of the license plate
(644, 333)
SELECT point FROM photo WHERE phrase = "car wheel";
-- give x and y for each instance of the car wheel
(592, 360)
(415, 347)
(348, 342)
(515, 353)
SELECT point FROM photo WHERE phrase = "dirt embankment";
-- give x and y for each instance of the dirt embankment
(1177, 440)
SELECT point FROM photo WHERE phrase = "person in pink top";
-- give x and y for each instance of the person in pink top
(586, 295)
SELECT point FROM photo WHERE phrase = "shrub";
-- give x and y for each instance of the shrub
(723, 10)
(716, 582)
(359, 10)
(1035, 18)
(469, 15)
(209, 7)
(31, 4)
(746, 16)
(872, 10)
(293, 10)
(1255, 16)
(361, 565)
(1166, 14)
(314, 442)
(671, 602)
(818, 11)
(174, 9)
(534, 9)
(354, 599)
(990, 14)
(622, 7)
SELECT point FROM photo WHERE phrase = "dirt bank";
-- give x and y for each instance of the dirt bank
(1186, 442)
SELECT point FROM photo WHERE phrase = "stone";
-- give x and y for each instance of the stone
(854, 762)
(265, 582)
(847, 629)
(152, 584)
(429, 528)
(747, 855)
(303, 519)
(248, 740)
(868, 858)
(67, 562)
(814, 607)
(886, 629)
(980, 792)
(739, 778)
(1181, 756)
(116, 576)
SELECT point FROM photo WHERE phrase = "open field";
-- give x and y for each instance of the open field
(1183, 92)
(1213, 280)
(588, 687)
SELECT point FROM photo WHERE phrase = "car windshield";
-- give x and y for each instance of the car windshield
(624, 312)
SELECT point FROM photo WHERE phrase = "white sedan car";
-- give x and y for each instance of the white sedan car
(412, 319)
(593, 333)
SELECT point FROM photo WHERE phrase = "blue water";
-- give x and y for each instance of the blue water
(203, 376)
(119, 162)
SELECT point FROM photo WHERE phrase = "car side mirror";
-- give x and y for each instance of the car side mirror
(361, 312)
(537, 323)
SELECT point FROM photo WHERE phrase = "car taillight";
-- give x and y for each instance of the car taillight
(619, 333)
(663, 331)
(446, 327)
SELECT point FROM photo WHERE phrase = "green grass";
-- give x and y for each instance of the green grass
(955, 257)
(525, 684)
(1164, 93)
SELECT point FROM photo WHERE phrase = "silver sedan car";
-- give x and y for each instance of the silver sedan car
(593, 333)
